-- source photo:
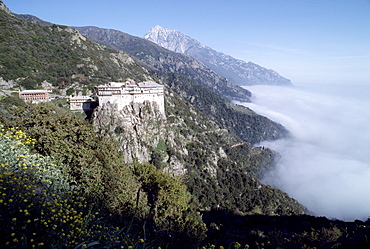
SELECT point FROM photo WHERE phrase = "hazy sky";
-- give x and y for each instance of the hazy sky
(307, 41)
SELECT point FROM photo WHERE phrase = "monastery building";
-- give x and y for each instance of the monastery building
(125, 93)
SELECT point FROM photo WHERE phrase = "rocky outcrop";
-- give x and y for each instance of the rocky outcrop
(237, 71)
(137, 128)
(7, 84)
(4, 8)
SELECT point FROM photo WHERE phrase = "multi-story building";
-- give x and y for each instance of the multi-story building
(34, 96)
(125, 93)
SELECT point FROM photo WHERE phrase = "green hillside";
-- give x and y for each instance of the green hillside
(31, 54)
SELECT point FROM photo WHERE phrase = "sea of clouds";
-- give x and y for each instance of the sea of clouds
(325, 164)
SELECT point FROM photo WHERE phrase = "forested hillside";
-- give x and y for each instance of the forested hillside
(31, 54)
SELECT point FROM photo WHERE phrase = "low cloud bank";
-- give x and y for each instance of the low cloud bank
(326, 163)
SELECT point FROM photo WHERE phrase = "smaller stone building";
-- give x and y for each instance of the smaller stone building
(82, 103)
(34, 96)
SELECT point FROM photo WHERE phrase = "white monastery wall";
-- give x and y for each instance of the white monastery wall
(126, 93)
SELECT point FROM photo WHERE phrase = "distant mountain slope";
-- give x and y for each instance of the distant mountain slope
(33, 19)
(166, 60)
(237, 71)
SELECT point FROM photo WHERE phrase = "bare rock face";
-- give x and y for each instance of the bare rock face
(141, 134)
(136, 127)
(7, 84)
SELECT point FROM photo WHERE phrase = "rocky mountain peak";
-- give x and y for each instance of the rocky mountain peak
(237, 71)
(171, 39)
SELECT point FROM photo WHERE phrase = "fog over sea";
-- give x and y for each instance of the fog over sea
(325, 164)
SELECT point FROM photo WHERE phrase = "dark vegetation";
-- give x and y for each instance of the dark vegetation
(270, 232)
(137, 195)
(240, 120)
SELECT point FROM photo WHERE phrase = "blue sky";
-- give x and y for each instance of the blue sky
(307, 41)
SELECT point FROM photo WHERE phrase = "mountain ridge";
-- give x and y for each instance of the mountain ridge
(237, 71)
(164, 59)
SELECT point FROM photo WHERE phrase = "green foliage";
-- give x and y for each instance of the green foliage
(168, 200)
(93, 162)
(37, 207)
(32, 53)
(167, 195)
(95, 170)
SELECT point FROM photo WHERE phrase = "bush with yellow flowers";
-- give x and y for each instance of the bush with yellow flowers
(38, 209)
(66, 155)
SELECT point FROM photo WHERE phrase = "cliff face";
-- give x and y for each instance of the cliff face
(137, 128)
(4, 8)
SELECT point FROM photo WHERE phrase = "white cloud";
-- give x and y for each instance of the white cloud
(326, 163)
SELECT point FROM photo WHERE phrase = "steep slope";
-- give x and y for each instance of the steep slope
(182, 73)
(31, 54)
(237, 71)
